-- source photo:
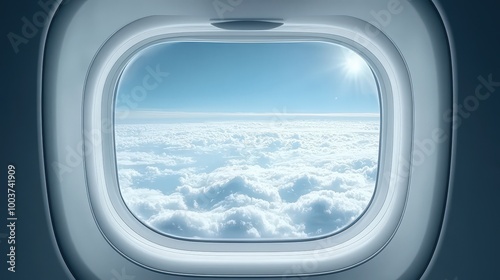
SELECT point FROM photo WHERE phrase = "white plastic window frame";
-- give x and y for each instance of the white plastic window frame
(350, 247)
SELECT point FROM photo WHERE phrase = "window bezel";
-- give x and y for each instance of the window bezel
(357, 243)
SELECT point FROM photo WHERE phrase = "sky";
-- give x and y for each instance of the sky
(209, 77)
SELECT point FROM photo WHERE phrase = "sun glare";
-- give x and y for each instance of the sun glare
(354, 63)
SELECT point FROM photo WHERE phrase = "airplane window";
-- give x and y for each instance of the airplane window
(247, 141)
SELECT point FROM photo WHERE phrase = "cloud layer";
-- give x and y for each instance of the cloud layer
(248, 179)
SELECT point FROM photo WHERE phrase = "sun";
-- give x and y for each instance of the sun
(356, 71)
(354, 63)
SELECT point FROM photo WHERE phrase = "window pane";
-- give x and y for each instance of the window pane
(247, 141)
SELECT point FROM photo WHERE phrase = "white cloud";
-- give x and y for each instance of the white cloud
(257, 179)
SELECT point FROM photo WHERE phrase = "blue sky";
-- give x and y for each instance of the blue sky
(300, 77)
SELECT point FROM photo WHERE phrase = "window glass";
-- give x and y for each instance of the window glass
(247, 141)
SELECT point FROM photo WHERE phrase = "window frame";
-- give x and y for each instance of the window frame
(357, 243)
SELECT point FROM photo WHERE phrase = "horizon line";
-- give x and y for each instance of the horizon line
(152, 114)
